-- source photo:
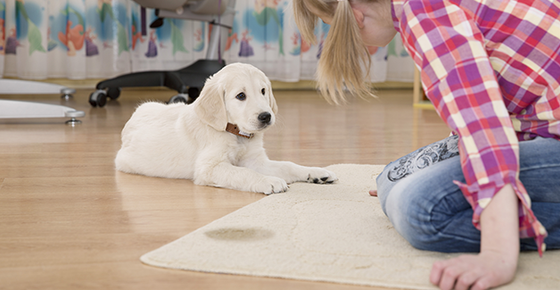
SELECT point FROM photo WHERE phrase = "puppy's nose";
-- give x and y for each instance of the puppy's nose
(264, 117)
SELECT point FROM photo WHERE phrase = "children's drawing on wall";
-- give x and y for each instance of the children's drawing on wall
(260, 28)
(136, 31)
(169, 35)
(152, 46)
(52, 44)
(2, 29)
(299, 45)
(74, 36)
(199, 38)
(265, 10)
(232, 37)
(2, 37)
(91, 47)
(245, 49)
(111, 14)
(11, 42)
(28, 16)
(177, 39)
(267, 46)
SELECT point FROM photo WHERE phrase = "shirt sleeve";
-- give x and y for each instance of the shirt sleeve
(458, 78)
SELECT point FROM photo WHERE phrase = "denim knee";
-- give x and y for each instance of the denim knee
(409, 215)
(429, 210)
(408, 211)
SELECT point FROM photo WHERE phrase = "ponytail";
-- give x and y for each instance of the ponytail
(344, 57)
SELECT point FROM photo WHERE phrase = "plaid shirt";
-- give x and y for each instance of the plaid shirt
(491, 69)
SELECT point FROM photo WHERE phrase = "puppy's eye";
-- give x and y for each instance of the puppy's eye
(241, 96)
(262, 91)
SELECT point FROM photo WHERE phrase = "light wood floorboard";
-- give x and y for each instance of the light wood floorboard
(69, 221)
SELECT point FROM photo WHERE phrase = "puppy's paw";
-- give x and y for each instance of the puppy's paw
(321, 176)
(271, 185)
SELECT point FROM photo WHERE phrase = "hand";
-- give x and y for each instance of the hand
(485, 270)
(499, 250)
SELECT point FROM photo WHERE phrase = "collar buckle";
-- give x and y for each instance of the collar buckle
(233, 129)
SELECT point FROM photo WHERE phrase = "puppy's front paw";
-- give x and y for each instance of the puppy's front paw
(321, 176)
(271, 185)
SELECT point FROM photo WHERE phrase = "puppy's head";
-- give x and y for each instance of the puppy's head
(239, 94)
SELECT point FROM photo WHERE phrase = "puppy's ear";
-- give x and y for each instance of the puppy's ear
(210, 106)
(271, 99)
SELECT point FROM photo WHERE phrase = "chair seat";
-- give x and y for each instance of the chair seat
(158, 4)
(207, 7)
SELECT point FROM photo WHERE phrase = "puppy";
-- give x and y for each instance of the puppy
(217, 140)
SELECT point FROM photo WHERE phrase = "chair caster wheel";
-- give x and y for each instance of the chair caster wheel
(180, 98)
(113, 93)
(98, 98)
(193, 93)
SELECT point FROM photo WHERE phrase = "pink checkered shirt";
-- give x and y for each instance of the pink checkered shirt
(491, 69)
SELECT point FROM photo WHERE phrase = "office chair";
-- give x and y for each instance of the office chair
(20, 109)
(186, 81)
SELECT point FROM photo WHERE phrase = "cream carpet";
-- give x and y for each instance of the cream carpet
(333, 233)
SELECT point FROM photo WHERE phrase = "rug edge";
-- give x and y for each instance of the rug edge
(145, 259)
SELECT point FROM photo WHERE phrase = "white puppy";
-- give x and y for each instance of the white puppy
(217, 140)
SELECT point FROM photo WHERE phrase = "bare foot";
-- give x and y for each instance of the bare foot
(373, 192)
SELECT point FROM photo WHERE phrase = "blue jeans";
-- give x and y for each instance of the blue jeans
(418, 195)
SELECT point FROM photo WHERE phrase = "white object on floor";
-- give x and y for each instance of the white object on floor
(20, 109)
(9, 86)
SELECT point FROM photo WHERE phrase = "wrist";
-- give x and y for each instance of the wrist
(500, 225)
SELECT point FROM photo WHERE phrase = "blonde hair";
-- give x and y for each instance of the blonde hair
(344, 57)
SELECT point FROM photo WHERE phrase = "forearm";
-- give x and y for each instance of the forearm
(499, 250)
(500, 225)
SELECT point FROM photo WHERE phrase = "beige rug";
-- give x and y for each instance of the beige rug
(334, 233)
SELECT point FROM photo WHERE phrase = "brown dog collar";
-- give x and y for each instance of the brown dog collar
(233, 129)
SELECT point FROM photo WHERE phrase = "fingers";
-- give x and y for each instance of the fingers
(466, 280)
(455, 274)
(481, 284)
(373, 192)
(437, 272)
(444, 274)
(463, 273)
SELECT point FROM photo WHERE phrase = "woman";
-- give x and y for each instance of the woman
(491, 69)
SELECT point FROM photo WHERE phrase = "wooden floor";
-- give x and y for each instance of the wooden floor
(69, 221)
